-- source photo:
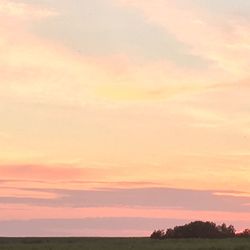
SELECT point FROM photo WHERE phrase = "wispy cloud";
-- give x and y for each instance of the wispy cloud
(64, 77)
(221, 40)
(25, 11)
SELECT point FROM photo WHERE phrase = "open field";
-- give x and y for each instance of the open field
(121, 244)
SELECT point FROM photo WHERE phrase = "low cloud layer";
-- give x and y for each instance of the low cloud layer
(181, 199)
(89, 226)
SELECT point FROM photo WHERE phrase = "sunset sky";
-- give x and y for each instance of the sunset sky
(123, 116)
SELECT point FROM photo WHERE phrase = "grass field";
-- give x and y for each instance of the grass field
(121, 244)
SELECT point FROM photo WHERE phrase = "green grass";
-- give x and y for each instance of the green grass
(121, 244)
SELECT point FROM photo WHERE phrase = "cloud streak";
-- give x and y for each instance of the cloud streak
(133, 197)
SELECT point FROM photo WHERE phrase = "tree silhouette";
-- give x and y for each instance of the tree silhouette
(196, 229)
(158, 234)
(245, 233)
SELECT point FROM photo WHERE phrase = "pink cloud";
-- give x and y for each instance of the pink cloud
(49, 173)
(28, 212)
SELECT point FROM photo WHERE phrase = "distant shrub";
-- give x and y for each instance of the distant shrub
(196, 229)
(244, 234)
(158, 234)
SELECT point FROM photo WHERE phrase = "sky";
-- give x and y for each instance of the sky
(119, 117)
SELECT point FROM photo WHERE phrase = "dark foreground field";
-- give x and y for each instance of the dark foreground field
(121, 244)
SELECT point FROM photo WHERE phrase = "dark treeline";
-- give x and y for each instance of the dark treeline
(199, 229)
